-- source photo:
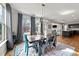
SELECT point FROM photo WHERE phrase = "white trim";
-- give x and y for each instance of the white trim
(4, 24)
(3, 42)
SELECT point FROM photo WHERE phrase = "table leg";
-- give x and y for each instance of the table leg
(39, 49)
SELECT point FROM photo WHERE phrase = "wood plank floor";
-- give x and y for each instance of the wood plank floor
(73, 41)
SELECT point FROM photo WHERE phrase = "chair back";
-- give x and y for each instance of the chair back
(54, 32)
(25, 37)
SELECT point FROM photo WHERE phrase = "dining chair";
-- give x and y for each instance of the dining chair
(44, 44)
(51, 41)
(54, 33)
(26, 44)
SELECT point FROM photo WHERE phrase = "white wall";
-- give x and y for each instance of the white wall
(14, 20)
(65, 27)
(58, 29)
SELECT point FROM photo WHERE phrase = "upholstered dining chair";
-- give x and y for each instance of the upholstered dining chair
(54, 33)
(43, 45)
(26, 44)
(51, 39)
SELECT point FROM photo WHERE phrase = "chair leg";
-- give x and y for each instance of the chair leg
(43, 49)
(36, 48)
(26, 49)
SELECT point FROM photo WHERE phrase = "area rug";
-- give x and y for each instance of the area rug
(60, 50)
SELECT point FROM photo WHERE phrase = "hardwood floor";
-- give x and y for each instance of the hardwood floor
(73, 41)
(10, 53)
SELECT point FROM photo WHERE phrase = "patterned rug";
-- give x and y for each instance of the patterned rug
(60, 50)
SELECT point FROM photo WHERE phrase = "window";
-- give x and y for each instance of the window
(38, 26)
(2, 24)
(26, 24)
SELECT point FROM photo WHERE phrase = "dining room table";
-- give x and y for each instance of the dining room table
(36, 39)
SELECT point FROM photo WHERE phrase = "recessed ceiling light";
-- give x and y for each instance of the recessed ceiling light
(66, 12)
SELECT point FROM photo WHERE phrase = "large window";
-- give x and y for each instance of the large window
(2, 24)
(38, 26)
(26, 24)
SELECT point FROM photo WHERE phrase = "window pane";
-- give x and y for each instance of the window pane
(0, 32)
(26, 24)
(0, 29)
(0, 10)
(38, 26)
(2, 24)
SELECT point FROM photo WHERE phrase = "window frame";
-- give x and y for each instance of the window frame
(3, 23)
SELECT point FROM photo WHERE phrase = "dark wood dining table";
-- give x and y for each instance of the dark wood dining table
(36, 39)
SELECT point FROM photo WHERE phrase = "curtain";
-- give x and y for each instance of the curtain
(41, 20)
(33, 28)
(19, 30)
(9, 26)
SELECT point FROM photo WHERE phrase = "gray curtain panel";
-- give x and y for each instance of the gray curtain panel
(9, 26)
(33, 28)
(41, 20)
(19, 30)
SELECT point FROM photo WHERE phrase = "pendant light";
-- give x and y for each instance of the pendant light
(43, 5)
(41, 19)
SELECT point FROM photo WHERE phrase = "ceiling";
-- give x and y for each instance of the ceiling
(59, 12)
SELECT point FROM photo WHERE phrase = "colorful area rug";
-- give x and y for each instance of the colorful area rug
(60, 50)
